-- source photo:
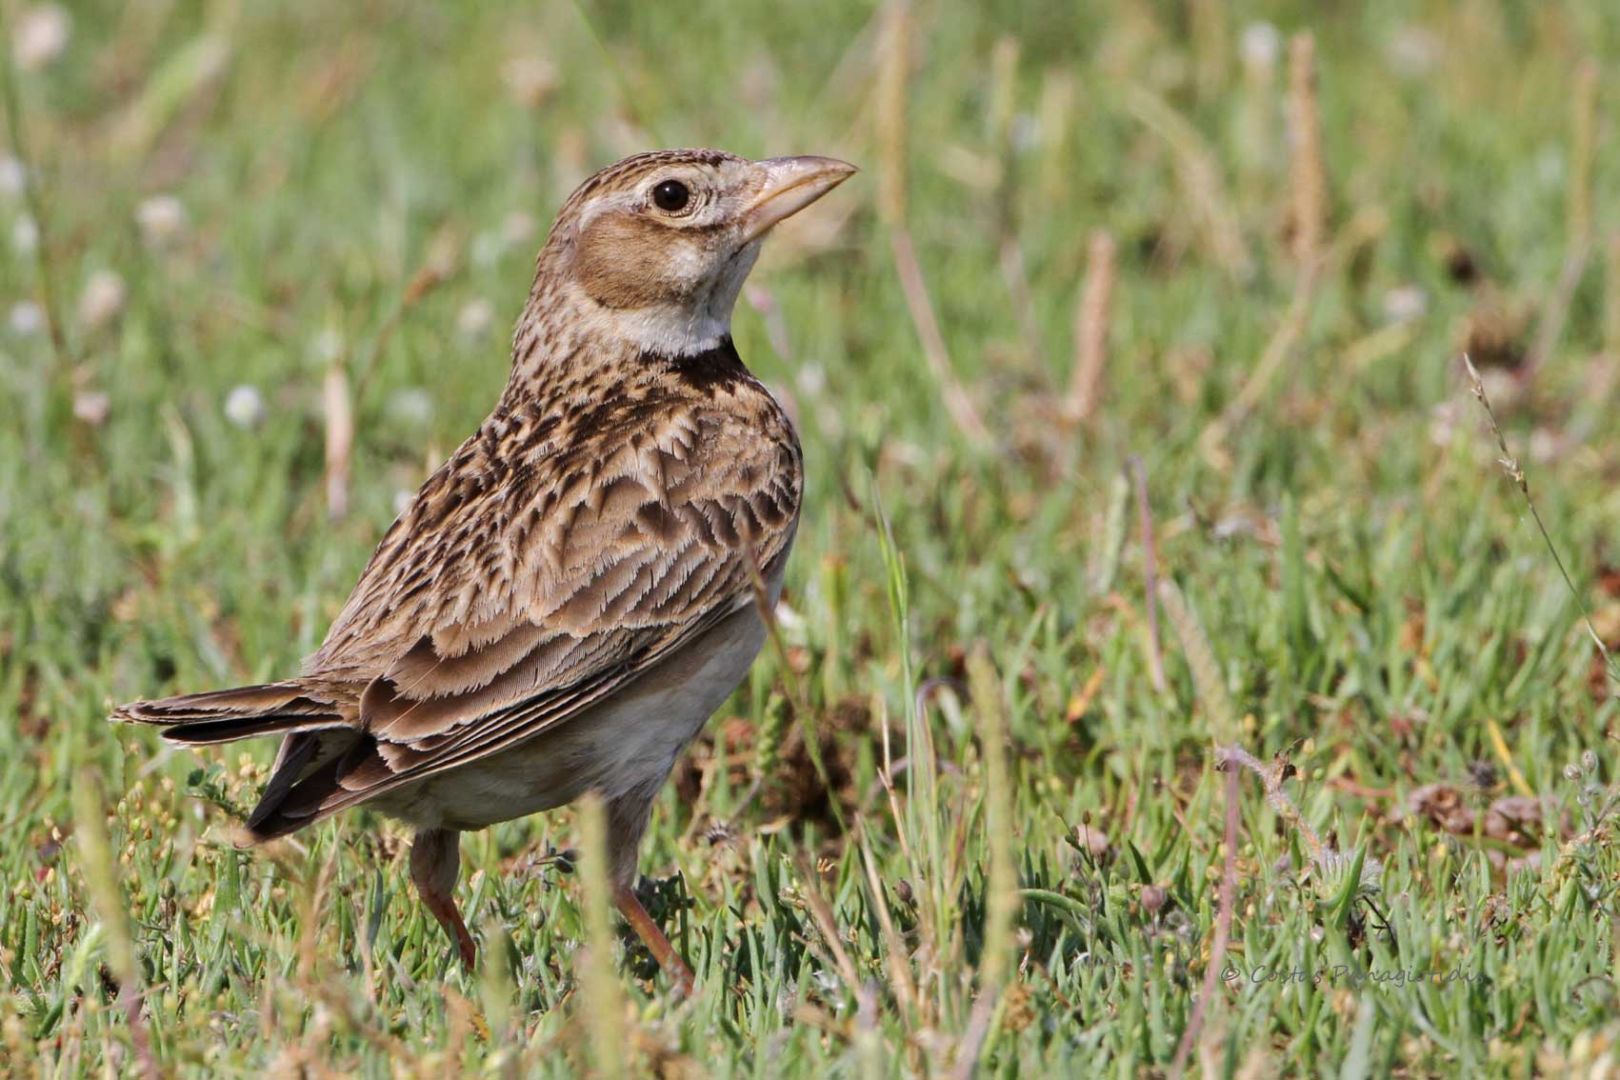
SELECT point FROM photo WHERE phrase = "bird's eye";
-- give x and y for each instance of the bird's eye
(670, 196)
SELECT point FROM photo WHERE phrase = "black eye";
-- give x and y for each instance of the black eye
(671, 195)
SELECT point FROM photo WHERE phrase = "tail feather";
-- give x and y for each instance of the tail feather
(317, 732)
(214, 732)
(220, 716)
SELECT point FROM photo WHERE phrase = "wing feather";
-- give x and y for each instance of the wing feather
(503, 605)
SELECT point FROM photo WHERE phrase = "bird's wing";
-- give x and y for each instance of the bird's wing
(512, 596)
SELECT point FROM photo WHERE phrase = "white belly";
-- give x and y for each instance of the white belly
(626, 743)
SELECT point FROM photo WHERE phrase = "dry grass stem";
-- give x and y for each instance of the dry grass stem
(989, 703)
(1056, 118)
(1199, 172)
(1002, 898)
(1091, 324)
(957, 401)
(1150, 572)
(434, 271)
(821, 914)
(1611, 298)
(893, 73)
(1223, 932)
(1306, 175)
(1018, 291)
(1511, 466)
(1582, 153)
(339, 412)
(1272, 777)
(602, 1003)
(498, 990)
(1279, 347)
(1208, 681)
(1555, 313)
(894, 946)
(176, 91)
(1207, 26)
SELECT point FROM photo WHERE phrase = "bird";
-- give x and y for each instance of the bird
(569, 597)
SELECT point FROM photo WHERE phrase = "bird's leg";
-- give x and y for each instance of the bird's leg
(653, 937)
(435, 862)
(627, 820)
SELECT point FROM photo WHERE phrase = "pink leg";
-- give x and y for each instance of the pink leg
(435, 862)
(654, 939)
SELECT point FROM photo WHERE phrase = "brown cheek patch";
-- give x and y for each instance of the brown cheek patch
(622, 261)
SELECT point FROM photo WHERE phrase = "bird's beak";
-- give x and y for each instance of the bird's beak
(791, 184)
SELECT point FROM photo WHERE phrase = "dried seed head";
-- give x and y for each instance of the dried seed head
(1154, 898)
(1482, 773)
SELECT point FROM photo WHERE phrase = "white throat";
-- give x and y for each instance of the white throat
(688, 329)
(669, 331)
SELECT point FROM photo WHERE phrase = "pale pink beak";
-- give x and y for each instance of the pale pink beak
(791, 184)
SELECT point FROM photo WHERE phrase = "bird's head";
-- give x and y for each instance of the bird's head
(654, 249)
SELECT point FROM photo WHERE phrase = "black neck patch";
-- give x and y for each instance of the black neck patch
(709, 370)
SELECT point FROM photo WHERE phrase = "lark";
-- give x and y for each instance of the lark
(571, 595)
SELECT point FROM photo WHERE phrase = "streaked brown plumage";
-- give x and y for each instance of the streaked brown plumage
(570, 596)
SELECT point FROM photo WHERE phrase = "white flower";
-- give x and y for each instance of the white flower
(474, 318)
(518, 228)
(103, 298)
(326, 347)
(1261, 44)
(24, 235)
(91, 406)
(411, 406)
(1549, 165)
(244, 406)
(161, 219)
(26, 319)
(13, 177)
(812, 379)
(529, 79)
(1413, 51)
(40, 36)
(1404, 303)
(1026, 132)
(486, 248)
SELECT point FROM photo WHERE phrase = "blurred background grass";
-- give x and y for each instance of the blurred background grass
(258, 265)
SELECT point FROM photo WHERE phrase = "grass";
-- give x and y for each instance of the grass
(1345, 586)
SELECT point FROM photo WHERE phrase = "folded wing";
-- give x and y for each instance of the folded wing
(522, 588)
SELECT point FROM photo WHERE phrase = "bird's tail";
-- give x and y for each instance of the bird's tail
(221, 716)
(317, 728)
